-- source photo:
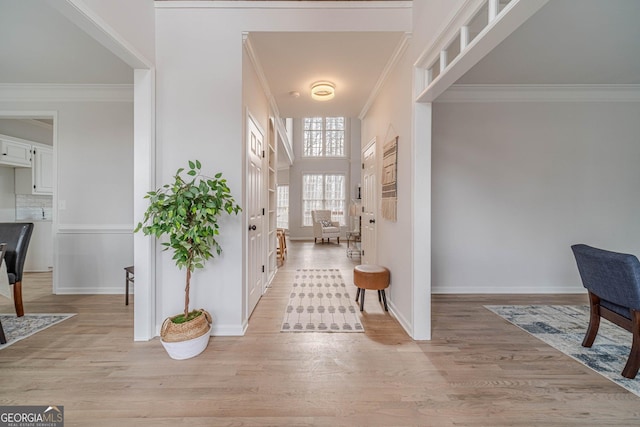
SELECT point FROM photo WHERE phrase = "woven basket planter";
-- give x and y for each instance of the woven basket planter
(188, 339)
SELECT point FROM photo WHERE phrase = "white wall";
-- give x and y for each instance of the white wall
(94, 174)
(390, 116)
(515, 184)
(200, 115)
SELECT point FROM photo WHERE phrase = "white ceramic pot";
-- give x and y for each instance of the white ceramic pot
(187, 349)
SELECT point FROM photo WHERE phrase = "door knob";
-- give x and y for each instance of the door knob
(252, 227)
(372, 221)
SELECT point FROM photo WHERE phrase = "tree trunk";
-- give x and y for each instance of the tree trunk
(186, 294)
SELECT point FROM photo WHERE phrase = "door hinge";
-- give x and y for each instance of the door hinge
(263, 268)
(363, 166)
(263, 154)
(363, 252)
(262, 211)
(363, 209)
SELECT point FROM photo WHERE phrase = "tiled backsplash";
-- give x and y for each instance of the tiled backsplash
(31, 207)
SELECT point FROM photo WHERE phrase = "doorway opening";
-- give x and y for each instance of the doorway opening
(28, 190)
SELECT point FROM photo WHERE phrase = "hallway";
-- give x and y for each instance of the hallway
(267, 316)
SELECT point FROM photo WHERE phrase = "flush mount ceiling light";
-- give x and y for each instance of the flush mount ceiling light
(323, 91)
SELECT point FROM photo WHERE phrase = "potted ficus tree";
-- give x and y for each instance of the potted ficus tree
(187, 212)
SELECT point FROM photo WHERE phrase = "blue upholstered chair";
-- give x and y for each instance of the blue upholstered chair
(17, 236)
(613, 282)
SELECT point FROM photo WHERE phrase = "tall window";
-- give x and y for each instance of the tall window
(323, 137)
(323, 191)
(282, 212)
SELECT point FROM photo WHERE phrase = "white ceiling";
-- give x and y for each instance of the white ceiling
(568, 42)
(353, 61)
(39, 45)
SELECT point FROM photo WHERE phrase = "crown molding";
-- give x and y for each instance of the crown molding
(540, 93)
(395, 58)
(283, 4)
(66, 92)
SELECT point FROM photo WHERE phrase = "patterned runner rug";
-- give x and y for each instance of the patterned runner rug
(320, 302)
(563, 328)
(19, 328)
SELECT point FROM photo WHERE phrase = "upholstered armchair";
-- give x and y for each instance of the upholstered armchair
(613, 282)
(323, 227)
(17, 236)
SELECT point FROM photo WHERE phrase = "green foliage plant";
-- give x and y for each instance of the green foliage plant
(187, 212)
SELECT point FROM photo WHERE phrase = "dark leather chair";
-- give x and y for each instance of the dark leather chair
(613, 282)
(17, 236)
(3, 247)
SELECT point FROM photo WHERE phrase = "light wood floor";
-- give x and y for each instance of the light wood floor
(477, 371)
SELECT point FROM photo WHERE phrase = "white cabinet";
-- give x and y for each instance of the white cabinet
(42, 170)
(38, 179)
(40, 250)
(14, 152)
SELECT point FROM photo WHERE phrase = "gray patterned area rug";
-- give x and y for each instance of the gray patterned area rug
(319, 301)
(19, 328)
(563, 328)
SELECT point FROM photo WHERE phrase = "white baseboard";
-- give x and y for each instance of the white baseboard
(93, 290)
(508, 290)
(228, 330)
(406, 325)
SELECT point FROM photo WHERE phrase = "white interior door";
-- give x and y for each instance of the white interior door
(369, 203)
(255, 141)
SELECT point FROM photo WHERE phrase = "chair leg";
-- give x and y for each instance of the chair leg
(594, 320)
(362, 301)
(357, 294)
(384, 298)
(3, 338)
(17, 299)
(633, 362)
(126, 289)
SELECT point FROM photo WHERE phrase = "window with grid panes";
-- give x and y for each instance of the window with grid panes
(323, 137)
(282, 212)
(323, 191)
